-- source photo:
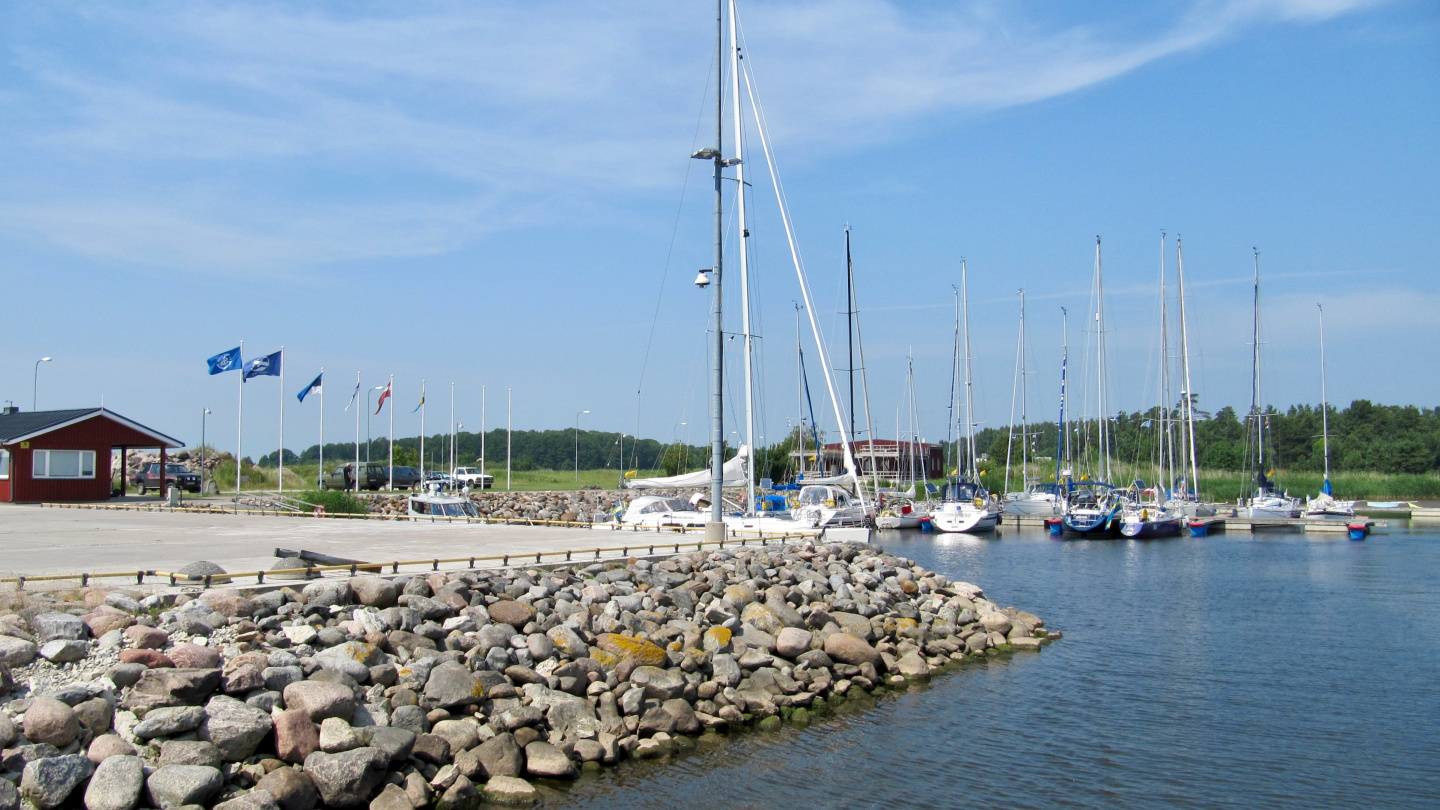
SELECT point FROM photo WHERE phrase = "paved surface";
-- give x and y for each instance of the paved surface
(36, 541)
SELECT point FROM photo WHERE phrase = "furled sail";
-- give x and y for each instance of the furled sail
(733, 473)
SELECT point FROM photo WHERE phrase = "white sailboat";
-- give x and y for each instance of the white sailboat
(901, 510)
(965, 506)
(1267, 501)
(1186, 491)
(1034, 497)
(1324, 505)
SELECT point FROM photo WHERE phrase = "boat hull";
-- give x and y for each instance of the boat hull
(967, 521)
(1145, 529)
(1089, 526)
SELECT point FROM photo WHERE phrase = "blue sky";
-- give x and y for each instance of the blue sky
(500, 194)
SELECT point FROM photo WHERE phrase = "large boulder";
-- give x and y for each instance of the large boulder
(848, 649)
(116, 784)
(193, 656)
(347, 779)
(320, 699)
(376, 592)
(509, 791)
(296, 736)
(170, 687)
(328, 592)
(548, 762)
(51, 721)
(501, 756)
(147, 638)
(48, 782)
(180, 785)
(453, 684)
(638, 650)
(791, 642)
(996, 622)
(54, 625)
(167, 721)
(64, 651)
(234, 727)
(17, 652)
(292, 788)
(515, 614)
(725, 670)
(661, 684)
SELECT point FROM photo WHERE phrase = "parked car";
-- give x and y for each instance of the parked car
(175, 475)
(371, 476)
(473, 478)
(439, 479)
(405, 478)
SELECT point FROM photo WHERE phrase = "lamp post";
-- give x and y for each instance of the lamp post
(368, 395)
(577, 445)
(203, 414)
(34, 385)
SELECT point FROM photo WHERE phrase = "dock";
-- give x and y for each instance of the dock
(1214, 524)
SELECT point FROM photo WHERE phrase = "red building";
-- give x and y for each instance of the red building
(891, 458)
(65, 455)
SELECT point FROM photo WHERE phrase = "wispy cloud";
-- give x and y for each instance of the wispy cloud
(229, 136)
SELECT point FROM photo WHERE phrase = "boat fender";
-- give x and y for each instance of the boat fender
(979, 503)
(830, 502)
(1144, 515)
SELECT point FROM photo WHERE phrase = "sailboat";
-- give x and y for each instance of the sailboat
(901, 510)
(1034, 498)
(1093, 507)
(1324, 505)
(1149, 512)
(964, 505)
(1186, 490)
(1267, 501)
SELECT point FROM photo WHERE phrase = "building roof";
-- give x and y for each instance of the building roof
(22, 425)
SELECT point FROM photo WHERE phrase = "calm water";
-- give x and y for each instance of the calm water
(1231, 671)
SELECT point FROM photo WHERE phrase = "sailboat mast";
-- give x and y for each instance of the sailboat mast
(1185, 359)
(1014, 395)
(1324, 400)
(1167, 448)
(850, 325)
(1255, 376)
(1024, 413)
(969, 398)
(800, 387)
(1062, 447)
(717, 359)
(864, 375)
(1103, 465)
(955, 386)
(739, 163)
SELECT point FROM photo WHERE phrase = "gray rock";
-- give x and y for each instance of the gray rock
(685, 720)
(848, 649)
(293, 789)
(277, 678)
(328, 592)
(452, 684)
(431, 748)
(201, 569)
(48, 782)
(347, 779)
(336, 735)
(8, 732)
(64, 651)
(461, 734)
(791, 642)
(16, 652)
(168, 721)
(510, 791)
(123, 675)
(573, 719)
(546, 761)
(396, 743)
(501, 756)
(178, 785)
(725, 669)
(190, 752)
(656, 721)
(171, 687)
(393, 797)
(320, 700)
(95, 714)
(376, 592)
(9, 796)
(661, 684)
(254, 800)
(116, 784)
(52, 626)
(234, 727)
(410, 718)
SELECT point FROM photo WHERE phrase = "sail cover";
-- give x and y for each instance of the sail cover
(732, 475)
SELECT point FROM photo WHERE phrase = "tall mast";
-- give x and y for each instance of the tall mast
(1014, 393)
(864, 376)
(800, 387)
(1255, 376)
(1024, 412)
(954, 405)
(850, 325)
(1185, 359)
(739, 163)
(717, 359)
(1062, 446)
(1167, 449)
(969, 398)
(1324, 401)
(1103, 466)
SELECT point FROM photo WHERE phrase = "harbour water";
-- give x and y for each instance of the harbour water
(1267, 670)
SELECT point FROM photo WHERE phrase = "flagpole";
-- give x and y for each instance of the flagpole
(482, 437)
(357, 432)
(507, 439)
(281, 458)
(422, 434)
(452, 431)
(240, 419)
(320, 475)
(391, 485)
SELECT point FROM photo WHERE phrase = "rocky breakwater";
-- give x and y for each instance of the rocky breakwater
(456, 688)
(583, 506)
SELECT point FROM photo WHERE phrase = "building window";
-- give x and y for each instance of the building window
(4, 464)
(63, 464)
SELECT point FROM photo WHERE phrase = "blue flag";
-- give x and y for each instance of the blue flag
(267, 366)
(314, 386)
(225, 361)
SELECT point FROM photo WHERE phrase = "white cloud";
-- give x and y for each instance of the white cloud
(228, 136)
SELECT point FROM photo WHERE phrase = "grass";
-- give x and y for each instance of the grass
(335, 502)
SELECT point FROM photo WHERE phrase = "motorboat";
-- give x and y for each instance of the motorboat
(901, 513)
(1093, 511)
(1040, 500)
(434, 504)
(828, 505)
(964, 507)
(663, 512)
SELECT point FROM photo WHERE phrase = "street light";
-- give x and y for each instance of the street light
(577, 445)
(36, 382)
(203, 414)
(368, 395)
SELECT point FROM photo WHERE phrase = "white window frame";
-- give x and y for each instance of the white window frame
(4, 464)
(40, 465)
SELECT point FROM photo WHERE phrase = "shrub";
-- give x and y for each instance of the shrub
(336, 502)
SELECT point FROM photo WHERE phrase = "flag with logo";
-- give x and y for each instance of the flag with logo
(225, 361)
(311, 388)
(267, 366)
(384, 395)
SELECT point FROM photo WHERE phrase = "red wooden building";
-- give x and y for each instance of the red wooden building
(65, 455)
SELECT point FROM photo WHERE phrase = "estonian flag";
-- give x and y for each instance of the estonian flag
(384, 395)
(267, 366)
(422, 400)
(225, 361)
(312, 387)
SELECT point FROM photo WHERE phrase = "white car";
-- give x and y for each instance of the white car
(472, 477)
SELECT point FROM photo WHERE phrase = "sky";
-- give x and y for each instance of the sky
(500, 195)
